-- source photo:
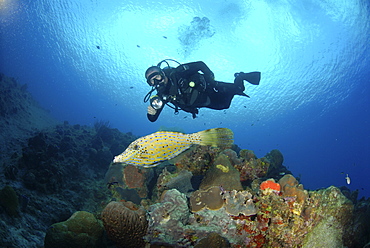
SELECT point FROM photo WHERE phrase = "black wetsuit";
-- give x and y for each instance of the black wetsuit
(191, 86)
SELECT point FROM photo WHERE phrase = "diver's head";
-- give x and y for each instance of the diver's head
(155, 76)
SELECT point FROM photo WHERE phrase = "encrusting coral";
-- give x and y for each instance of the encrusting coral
(239, 203)
(125, 223)
(210, 198)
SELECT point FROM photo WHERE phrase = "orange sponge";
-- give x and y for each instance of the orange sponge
(269, 186)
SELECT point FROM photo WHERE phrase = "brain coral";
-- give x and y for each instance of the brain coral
(125, 224)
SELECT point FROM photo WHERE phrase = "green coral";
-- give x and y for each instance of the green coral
(82, 229)
(9, 200)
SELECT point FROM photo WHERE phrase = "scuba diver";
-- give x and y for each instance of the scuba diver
(191, 86)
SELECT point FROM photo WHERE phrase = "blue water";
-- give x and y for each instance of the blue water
(312, 103)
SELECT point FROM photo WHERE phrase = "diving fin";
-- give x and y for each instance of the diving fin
(242, 94)
(252, 77)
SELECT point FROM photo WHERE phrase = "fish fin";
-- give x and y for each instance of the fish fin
(216, 137)
(150, 165)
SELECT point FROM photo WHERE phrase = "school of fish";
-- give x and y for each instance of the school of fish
(155, 148)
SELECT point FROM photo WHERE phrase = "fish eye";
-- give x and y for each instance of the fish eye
(136, 147)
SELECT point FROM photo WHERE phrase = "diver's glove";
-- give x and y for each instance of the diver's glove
(151, 110)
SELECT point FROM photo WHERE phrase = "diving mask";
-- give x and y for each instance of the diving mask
(155, 78)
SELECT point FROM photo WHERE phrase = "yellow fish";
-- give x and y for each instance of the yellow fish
(151, 150)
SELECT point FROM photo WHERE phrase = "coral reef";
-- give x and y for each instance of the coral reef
(54, 156)
(82, 229)
(55, 169)
(246, 220)
(125, 223)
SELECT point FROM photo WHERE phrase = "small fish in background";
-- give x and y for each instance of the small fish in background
(153, 149)
(98, 47)
(348, 179)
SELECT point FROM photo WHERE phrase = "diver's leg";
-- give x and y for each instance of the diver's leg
(220, 100)
(232, 89)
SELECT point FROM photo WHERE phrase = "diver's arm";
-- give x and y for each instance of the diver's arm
(195, 67)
